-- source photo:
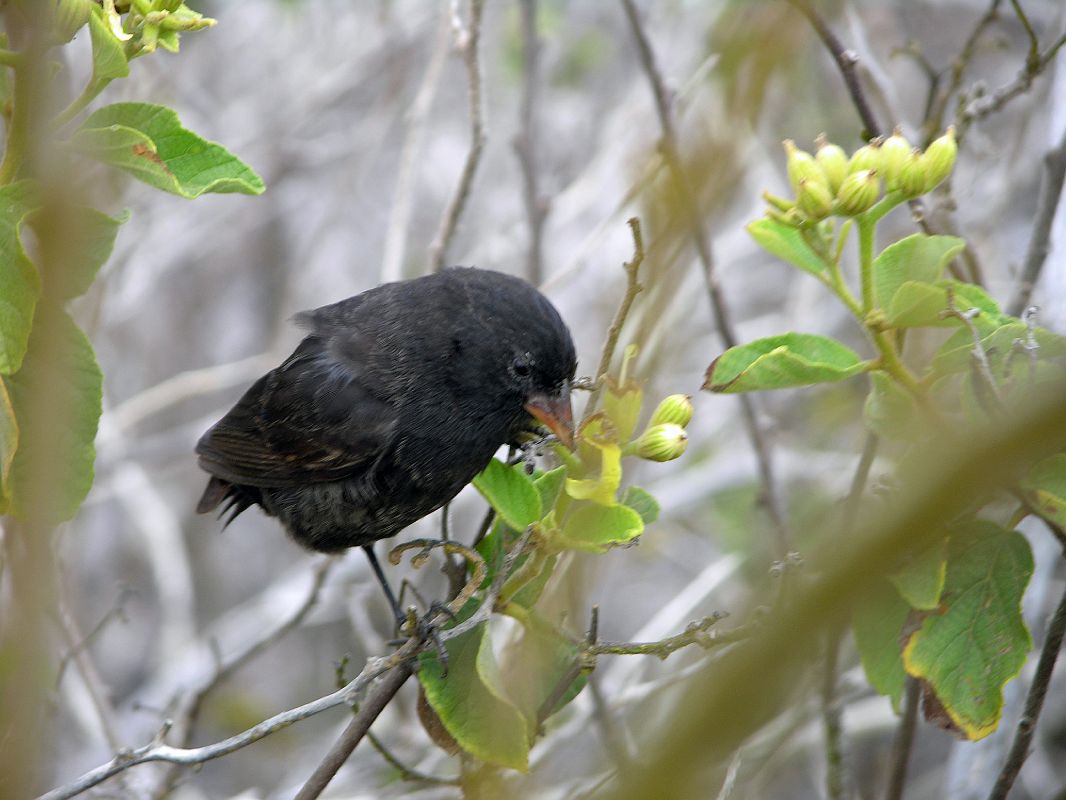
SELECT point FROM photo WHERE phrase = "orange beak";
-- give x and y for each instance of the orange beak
(555, 413)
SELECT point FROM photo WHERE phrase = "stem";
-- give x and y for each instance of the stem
(88, 94)
(903, 741)
(18, 131)
(11, 58)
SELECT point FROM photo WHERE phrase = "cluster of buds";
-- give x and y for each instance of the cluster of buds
(830, 183)
(664, 438)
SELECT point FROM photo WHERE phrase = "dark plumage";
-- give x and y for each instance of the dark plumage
(393, 402)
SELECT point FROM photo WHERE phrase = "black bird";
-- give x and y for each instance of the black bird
(391, 404)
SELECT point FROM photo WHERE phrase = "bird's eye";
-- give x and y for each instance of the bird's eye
(521, 367)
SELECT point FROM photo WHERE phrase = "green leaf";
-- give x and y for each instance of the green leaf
(917, 304)
(61, 364)
(529, 594)
(890, 410)
(9, 441)
(109, 56)
(642, 502)
(536, 665)
(75, 243)
(598, 528)
(779, 362)
(1046, 483)
(511, 493)
(918, 257)
(471, 702)
(979, 642)
(921, 579)
(149, 142)
(787, 243)
(877, 622)
(18, 277)
(548, 486)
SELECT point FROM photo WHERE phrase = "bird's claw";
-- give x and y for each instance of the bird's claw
(427, 628)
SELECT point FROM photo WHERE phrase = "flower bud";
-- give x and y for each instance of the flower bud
(802, 166)
(939, 158)
(833, 161)
(68, 16)
(166, 5)
(661, 443)
(676, 409)
(911, 180)
(894, 152)
(866, 157)
(814, 199)
(858, 192)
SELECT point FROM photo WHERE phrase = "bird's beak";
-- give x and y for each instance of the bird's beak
(555, 412)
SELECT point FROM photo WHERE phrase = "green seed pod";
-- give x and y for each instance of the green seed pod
(166, 5)
(676, 409)
(911, 180)
(858, 192)
(866, 157)
(68, 17)
(833, 161)
(939, 158)
(894, 152)
(661, 443)
(814, 199)
(802, 166)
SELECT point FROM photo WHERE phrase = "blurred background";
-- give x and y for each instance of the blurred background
(357, 115)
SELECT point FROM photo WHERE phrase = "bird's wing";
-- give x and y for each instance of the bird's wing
(316, 418)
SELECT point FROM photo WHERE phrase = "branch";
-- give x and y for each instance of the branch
(846, 61)
(1039, 242)
(903, 741)
(407, 773)
(1034, 702)
(354, 733)
(633, 288)
(467, 40)
(158, 751)
(695, 633)
(832, 718)
(525, 143)
(184, 718)
(722, 318)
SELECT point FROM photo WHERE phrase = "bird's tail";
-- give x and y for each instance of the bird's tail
(233, 499)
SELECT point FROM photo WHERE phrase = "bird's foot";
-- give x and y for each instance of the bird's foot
(427, 628)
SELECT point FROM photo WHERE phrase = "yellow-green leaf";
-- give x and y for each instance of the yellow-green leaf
(918, 257)
(977, 641)
(471, 702)
(109, 56)
(779, 362)
(149, 142)
(18, 277)
(599, 528)
(787, 243)
(877, 621)
(511, 493)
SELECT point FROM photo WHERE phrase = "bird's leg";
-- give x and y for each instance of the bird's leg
(397, 612)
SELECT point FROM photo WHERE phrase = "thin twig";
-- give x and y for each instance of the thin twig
(1039, 242)
(184, 718)
(467, 40)
(832, 718)
(988, 389)
(903, 741)
(354, 733)
(1034, 703)
(633, 288)
(407, 773)
(934, 118)
(697, 633)
(722, 318)
(847, 61)
(525, 143)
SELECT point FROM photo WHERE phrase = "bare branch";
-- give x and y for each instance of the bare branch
(832, 718)
(846, 61)
(1034, 702)
(633, 288)
(697, 633)
(722, 318)
(467, 41)
(354, 733)
(525, 143)
(904, 740)
(1039, 242)
(407, 773)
